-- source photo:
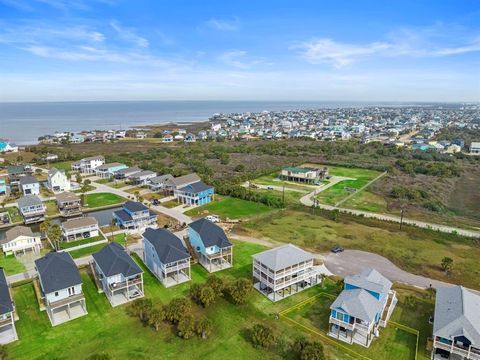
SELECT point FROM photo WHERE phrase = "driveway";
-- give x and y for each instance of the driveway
(351, 262)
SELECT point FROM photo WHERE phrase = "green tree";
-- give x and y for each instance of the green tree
(3, 352)
(217, 284)
(239, 290)
(262, 336)
(55, 234)
(186, 326)
(204, 327)
(44, 226)
(207, 296)
(156, 317)
(141, 308)
(177, 309)
(312, 351)
(447, 264)
(78, 178)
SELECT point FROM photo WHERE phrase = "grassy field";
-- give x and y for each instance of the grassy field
(14, 213)
(414, 250)
(171, 204)
(86, 251)
(272, 179)
(367, 201)
(71, 244)
(102, 199)
(11, 264)
(52, 208)
(110, 329)
(232, 208)
(338, 192)
(62, 165)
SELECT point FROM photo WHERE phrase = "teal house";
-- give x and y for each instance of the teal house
(3, 187)
(195, 194)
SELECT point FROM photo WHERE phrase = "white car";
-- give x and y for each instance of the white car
(213, 218)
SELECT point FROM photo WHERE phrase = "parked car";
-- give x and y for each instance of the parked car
(156, 202)
(213, 218)
(337, 249)
(270, 188)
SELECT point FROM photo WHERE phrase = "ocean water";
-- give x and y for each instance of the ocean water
(23, 123)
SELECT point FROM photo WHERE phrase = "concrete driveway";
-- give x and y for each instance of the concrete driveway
(351, 262)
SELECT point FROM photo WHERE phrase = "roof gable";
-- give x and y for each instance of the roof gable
(113, 260)
(57, 271)
(210, 233)
(169, 247)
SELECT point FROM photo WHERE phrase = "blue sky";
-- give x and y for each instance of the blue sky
(54, 50)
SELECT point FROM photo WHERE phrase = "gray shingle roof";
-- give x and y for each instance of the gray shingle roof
(161, 179)
(6, 304)
(358, 303)
(79, 222)
(196, 187)
(57, 271)
(142, 174)
(53, 171)
(370, 279)
(169, 248)
(28, 179)
(181, 181)
(282, 257)
(15, 232)
(134, 206)
(113, 260)
(28, 200)
(210, 233)
(67, 197)
(129, 171)
(457, 313)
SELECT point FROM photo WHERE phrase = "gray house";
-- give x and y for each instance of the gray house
(119, 276)
(69, 204)
(125, 173)
(29, 185)
(8, 333)
(61, 287)
(159, 182)
(166, 257)
(31, 208)
(456, 325)
(283, 271)
(142, 177)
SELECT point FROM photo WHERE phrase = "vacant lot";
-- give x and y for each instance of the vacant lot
(415, 250)
(11, 264)
(232, 208)
(102, 199)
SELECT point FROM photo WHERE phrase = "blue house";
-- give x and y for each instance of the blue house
(211, 245)
(3, 187)
(134, 215)
(365, 304)
(166, 257)
(195, 194)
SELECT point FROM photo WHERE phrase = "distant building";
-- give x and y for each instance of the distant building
(475, 148)
(303, 174)
(106, 171)
(29, 185)
(142, 177)
(173, 184)
(3, 187)
(125, 173)
(20, 239)
(6, 146)
(88, 165)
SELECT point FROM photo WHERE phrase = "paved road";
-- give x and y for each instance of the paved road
(352, 262)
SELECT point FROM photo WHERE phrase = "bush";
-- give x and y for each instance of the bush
(177, 309)
(306, 350)
(186, 326)
(262, 336)
(203, 328)
(239, 290)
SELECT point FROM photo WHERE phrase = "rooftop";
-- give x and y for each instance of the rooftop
(282, 257)
(113, 260)
(57, 271)
(168, 246)
(210, 233)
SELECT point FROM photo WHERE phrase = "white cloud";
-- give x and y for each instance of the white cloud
(239, 59)
(223, 25)
(129, 34)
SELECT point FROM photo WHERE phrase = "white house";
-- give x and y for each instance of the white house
(58, 181)
(80, 228)
(29, 185)
(475, 148)
(20, 239)
(89, 164)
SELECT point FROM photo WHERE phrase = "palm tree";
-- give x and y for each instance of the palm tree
(54, 234)
(44, 226)
(112, 227)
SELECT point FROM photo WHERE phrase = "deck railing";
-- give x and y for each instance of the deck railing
(467, 352)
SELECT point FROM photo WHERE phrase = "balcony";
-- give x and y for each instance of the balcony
(121, 285)
(66, 301)
(466, 352)
(351, 326)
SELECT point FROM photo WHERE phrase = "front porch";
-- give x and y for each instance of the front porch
(352, 333)
(452, 350)
(67, 309)
(124, 292)
(284, 292)
(176, 274)
(218, 261)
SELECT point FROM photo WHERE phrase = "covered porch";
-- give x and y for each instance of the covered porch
(67, 309)
(285, 291)
(176, 273)
(221, 260)
(8, 333)
(123, 292)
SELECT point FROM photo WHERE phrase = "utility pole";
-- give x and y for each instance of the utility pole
(283, 194)
(401, 218)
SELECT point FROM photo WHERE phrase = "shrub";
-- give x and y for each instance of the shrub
(177, 309)
(203, 327)
(239, 290)
(262, 336)
(186, 326)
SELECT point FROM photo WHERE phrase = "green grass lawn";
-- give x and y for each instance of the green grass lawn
(11, 264)
(14, 213)
(414, 250)
(88, 188)
(171, 204)
(52, 208)
(62, 165)
(71, 244)
(272, 179)
(102, 199)
(103, 181)
(367, 201)
(232, 208)
(89, 250)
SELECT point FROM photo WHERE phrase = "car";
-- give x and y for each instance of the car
(155, 202)
(213, 218)
(337, 249)
(270, 188)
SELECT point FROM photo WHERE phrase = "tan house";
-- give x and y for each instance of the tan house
(20, 239)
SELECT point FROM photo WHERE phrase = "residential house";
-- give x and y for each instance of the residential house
(50, 157)
(61, 287)
(69, 204)
(119, 276)
(108, 170)
(8, 333)
(6, 146)
(475, 148)
(80, 228)
(15, 173)
(211, 245)
(195, 194)
(174, 184)
(166, 257)
(125, 173)
(58, 181)
(134, 216)
(20, 239)
(303, 174)
(158, 183)
(190, 138)
(77, 139)
(31, 208)
(142, 177)
(456, 324)
(365, 303)
(29, 185)
(3, 187)
(283, 271)
(88, 165)
(167, 138)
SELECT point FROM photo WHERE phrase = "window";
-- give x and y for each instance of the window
(56, 293)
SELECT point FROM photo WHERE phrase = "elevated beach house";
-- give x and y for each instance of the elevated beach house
(166, 257)
(303, 174)
(88, 165)
(365, 303)
(158, 183)
(20, 239)
(31, 208)
(173, 184)
(283, 271)
(60, 287)
(134, 216)
(195, 194)
(456, 324)
(29, 185)
(142, 177)
(106, 171)
(8, 333)
(15, 173)
(57, 181)
(80, 228)
(69, 204)
(125, 173)
(119, 276)
(211, 245)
